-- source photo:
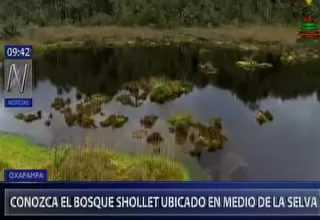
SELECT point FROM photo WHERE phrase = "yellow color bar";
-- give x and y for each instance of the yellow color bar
(309, 2)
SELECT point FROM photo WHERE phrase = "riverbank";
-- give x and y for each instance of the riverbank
(45, 35)
(86, 164)
(246, 37)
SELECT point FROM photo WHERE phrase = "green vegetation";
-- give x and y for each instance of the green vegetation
(148, 121)
(253, 65)
(3, 166)
(186, 119)
(177, 62)
(19, 116)
(68, 25)
(68, 101)
(140, 133)
(78, 164)
(132, 87)
(99, 98)
(114, 121)
(143, 96)
(204, 136)
(58, 103)
(210, 136)
(163, 90)
(28, 118)
(207, 68)
(15, 15)
(70, 118)
(80, 119)
(154, 138)
(160, 90)
(84, 111)
(263, 117)
(17, 152)
(181, 124)
(125, 99)
(89, 108)
(66, 110)
(149, 64)
(31, 117)
(86, 121)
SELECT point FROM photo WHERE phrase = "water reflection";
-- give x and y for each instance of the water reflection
(285, 149)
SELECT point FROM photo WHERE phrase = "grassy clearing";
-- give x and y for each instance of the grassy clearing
(85, 163)
(52, 35)
(18, 153)
(48, 38)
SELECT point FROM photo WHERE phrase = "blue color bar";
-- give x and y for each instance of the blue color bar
(17, 103)
(25, 176)
(18, 52)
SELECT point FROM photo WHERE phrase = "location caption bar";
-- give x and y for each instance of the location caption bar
(25, 176)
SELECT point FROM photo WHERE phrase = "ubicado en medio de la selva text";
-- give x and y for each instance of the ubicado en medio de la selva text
(135, 202)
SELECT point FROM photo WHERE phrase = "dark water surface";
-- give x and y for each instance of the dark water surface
(286, 149)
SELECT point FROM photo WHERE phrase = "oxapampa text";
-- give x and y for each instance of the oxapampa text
(26, 175)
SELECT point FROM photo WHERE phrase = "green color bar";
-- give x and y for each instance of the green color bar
(307, 41)
(308, 26)
(308, 29)
(312, 24)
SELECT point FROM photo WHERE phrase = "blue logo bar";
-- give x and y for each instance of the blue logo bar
(17, 52)
(17, 103)
(25, 176)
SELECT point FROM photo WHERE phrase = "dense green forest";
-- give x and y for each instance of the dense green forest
(15, 15)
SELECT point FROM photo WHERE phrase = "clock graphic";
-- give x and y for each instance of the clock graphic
(18, 52)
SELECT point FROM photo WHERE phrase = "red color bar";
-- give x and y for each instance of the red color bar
(309, 32)
(310, 36)
(308, 19)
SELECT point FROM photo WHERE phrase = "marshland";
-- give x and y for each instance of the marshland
(161, 100)
(205, 84)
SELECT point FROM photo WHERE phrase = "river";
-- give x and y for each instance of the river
(287, 148)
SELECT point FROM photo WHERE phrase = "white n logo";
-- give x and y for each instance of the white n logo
(14, 78)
